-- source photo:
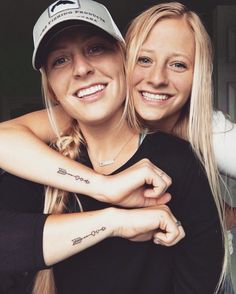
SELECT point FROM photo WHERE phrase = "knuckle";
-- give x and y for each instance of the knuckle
(168, 181)
(162, 186)
(165, 210)
(145, 161)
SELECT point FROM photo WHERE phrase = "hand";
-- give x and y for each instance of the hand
(138, 200)
(138, 186)
(146, 223)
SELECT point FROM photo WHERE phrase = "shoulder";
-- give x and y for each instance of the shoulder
(224, 143)
(221, 123)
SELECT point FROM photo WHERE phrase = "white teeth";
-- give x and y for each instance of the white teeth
(89, 91)
(154, 97)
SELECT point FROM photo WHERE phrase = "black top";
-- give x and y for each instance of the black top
(116, 265)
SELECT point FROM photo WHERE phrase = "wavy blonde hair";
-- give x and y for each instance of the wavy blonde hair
(195, 121)
(68, 145)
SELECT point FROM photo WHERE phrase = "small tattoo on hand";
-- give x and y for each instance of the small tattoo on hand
(92, 234)
(63, 172)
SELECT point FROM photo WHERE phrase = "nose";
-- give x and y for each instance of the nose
(82, 66)
(158, 76)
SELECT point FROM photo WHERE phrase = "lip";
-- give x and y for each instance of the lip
(90, 93)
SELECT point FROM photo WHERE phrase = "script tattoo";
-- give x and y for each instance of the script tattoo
(92, 234)
(63, 172)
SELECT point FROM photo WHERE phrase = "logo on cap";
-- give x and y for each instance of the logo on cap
(62, 5)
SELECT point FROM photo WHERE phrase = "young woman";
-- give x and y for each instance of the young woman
(31, 240)
(81, 86)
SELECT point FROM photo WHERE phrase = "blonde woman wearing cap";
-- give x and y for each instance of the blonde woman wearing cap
(82, 60)
(115, 265)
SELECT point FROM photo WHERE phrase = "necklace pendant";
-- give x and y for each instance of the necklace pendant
(106, 162)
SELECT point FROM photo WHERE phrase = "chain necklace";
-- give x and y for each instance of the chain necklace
(111, 161)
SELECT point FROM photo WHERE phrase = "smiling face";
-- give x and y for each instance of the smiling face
(163, 73)
(85, 70)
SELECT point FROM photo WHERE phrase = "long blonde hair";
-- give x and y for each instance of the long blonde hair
(68, 145)
(195, 121)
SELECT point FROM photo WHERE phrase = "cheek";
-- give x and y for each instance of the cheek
(184, 86)
(58, 85)
(137, 76)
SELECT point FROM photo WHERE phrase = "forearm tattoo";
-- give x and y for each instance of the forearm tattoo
(63, 172)
(92, 234)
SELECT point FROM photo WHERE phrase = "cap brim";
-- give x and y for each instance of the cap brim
(39, 52)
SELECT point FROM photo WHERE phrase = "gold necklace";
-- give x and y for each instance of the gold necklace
(111, 161)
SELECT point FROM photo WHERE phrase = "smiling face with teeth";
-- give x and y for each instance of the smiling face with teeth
(85, 71)
(163, 74)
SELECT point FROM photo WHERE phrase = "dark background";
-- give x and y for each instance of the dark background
(20, 84)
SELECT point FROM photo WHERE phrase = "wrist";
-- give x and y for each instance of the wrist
(114, 217)
(101, 188)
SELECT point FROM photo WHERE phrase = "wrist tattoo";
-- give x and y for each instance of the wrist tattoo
(92, 234)
(63, 172)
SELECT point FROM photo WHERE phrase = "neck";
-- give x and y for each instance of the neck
(106, 140)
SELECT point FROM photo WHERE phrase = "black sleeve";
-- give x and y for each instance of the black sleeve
(199, 256)
(21, 225)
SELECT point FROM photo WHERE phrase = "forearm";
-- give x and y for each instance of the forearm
(24, 155)
(68, 234)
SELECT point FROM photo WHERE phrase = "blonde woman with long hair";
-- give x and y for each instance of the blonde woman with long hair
(186, 268)
(82, 63)
(160, 61)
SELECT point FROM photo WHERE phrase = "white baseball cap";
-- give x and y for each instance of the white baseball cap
(61, 13)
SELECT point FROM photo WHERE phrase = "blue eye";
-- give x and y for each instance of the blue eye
(179, 66)
(60, 61)
(143, 60)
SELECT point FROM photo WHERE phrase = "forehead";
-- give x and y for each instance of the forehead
(171, 34)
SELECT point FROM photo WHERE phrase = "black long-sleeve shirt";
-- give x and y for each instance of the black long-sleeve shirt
(116, 265)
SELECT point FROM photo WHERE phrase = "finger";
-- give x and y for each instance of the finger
(164, 176)
(163, 199)
(167, 239)
(174, 233)
(159, 187)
